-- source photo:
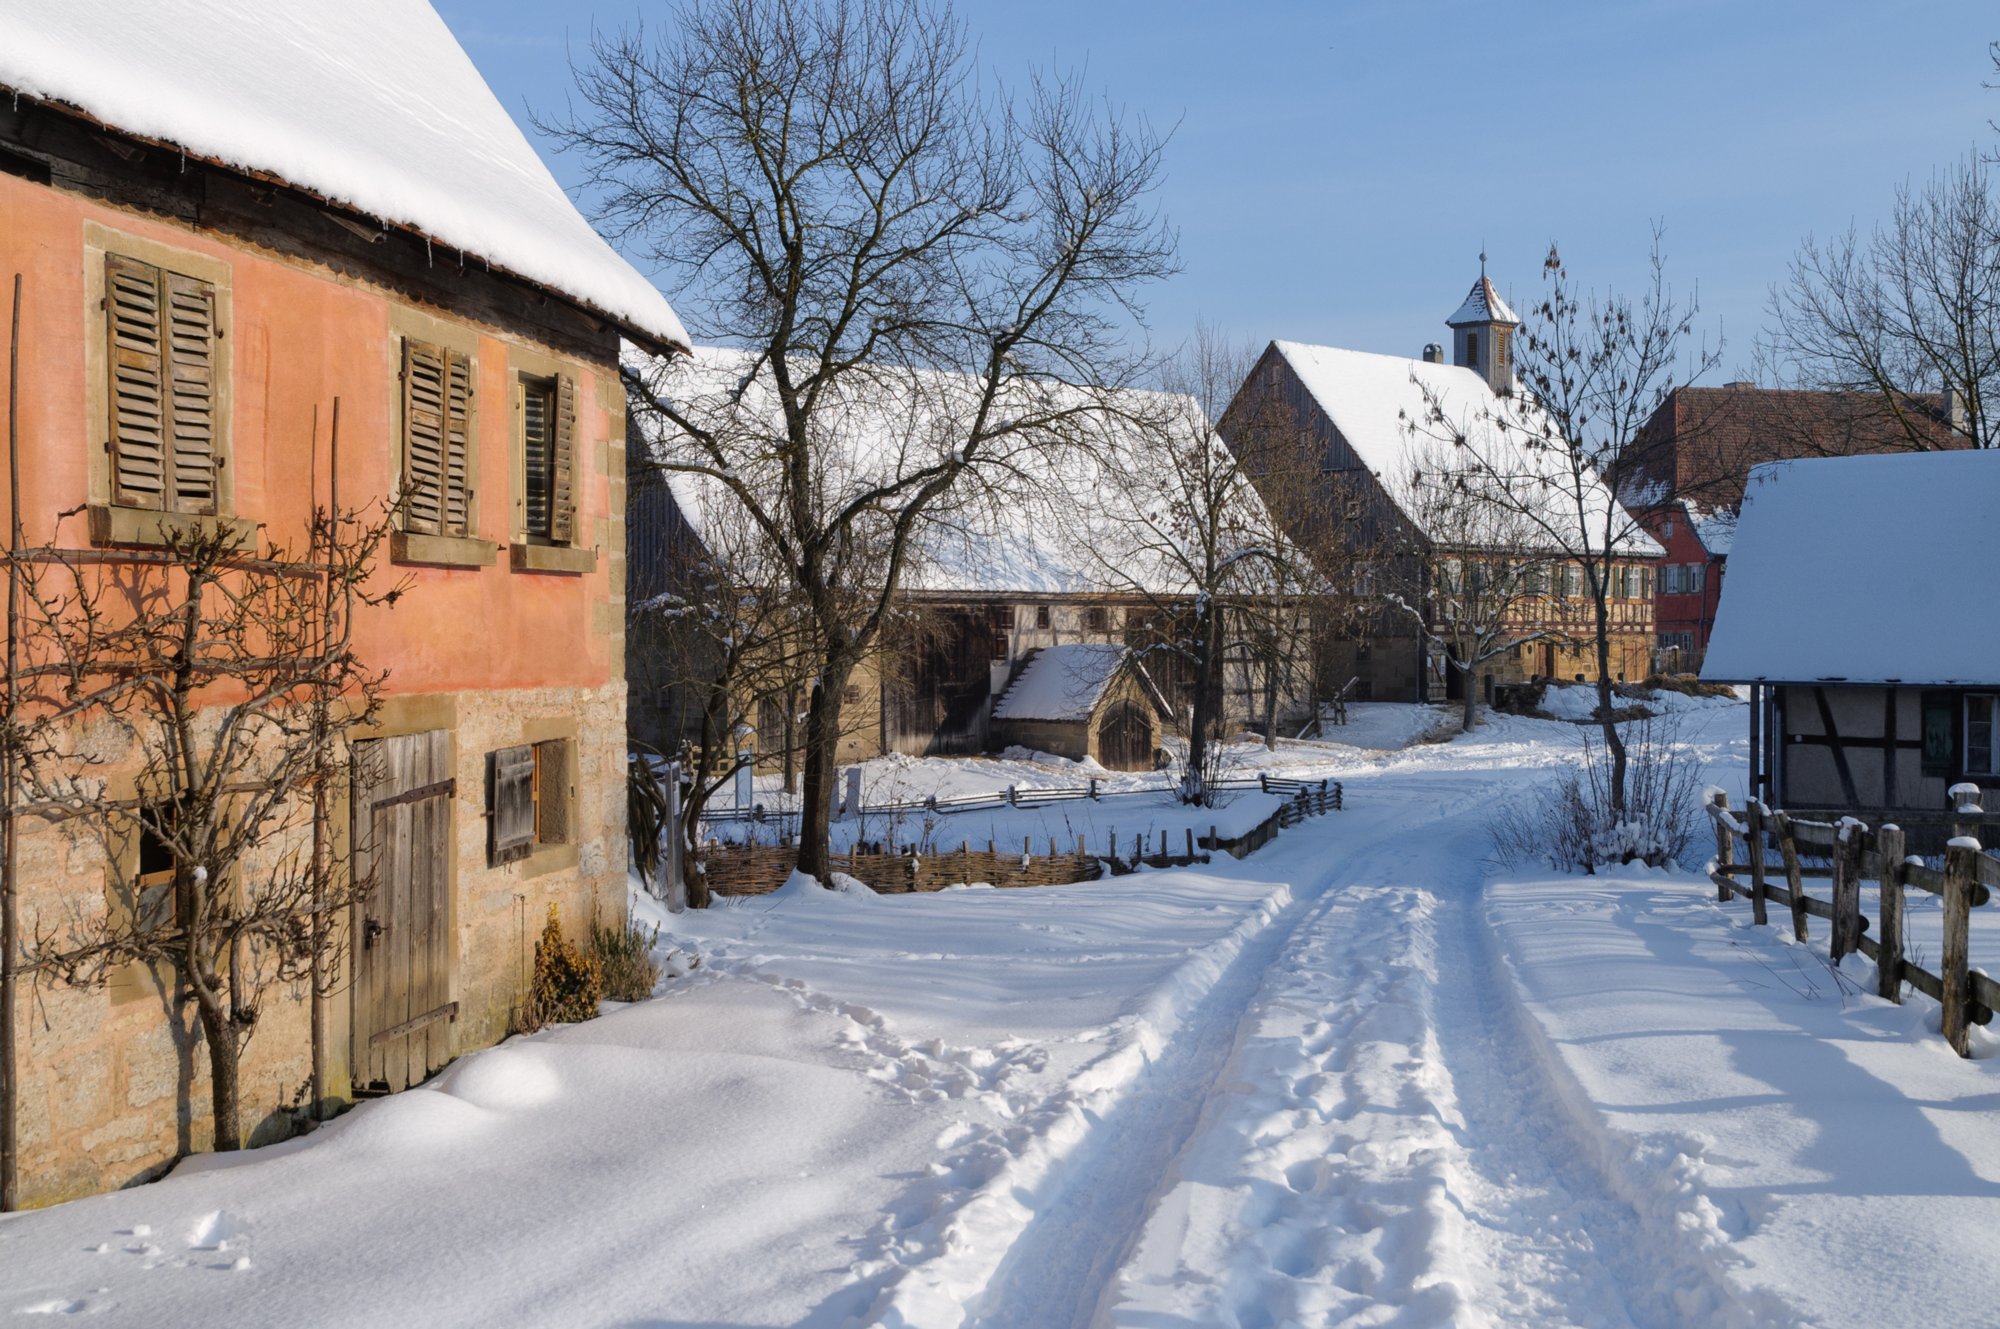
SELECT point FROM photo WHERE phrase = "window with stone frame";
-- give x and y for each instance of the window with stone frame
(163, 387)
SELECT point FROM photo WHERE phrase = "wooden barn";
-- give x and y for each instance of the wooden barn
(993, 578)
(1862, 613)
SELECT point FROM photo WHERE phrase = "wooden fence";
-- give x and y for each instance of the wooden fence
(733, 869)
(1856, 854)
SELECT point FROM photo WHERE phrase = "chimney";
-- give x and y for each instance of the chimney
(1742, 383)
(1433, 354)
(1954, 411)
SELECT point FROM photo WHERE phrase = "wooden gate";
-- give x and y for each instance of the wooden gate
(1125, 740)
(403, 1010)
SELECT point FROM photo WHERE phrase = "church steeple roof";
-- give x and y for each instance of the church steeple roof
(1483, 305)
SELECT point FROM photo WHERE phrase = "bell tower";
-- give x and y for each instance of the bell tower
(1482, 334)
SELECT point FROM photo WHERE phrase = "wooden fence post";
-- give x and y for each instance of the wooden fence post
(1725, 848)
(1889, 953)
(1953, 969)
(1755, 815)
(1788, 849)
(1846, 932)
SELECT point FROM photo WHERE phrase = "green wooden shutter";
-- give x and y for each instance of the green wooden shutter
(562, 499)
(190, 345)
(137, 391)
(457, 514)
(423, 437)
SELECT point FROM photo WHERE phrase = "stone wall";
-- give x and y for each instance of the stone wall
(114, 1079)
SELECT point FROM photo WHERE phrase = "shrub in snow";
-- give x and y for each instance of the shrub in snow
(1574, 828)
(624, 958)
(567, 982)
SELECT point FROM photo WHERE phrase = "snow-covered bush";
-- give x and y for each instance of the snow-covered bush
(1574, 828)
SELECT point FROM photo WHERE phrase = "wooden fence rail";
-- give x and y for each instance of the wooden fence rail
(1856, 854)
(733, 869)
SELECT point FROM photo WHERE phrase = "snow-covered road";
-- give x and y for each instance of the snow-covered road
(1354, 1079)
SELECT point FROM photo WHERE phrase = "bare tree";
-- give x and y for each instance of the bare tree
(1475, 578)
(843, 201)
(1913, 309)
(1176, 519)
(1591, 370)
(223, 676)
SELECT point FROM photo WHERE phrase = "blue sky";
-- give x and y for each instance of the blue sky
(1335, 167)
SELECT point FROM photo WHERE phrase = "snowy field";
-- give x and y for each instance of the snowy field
(1361, 1077)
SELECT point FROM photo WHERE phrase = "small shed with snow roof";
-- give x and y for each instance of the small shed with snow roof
(1084, 699)
(1860, 612)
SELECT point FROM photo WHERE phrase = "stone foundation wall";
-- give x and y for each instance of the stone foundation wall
(114, 1079)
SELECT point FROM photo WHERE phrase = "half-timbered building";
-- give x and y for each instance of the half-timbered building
(1371, 431)
(1861, 613)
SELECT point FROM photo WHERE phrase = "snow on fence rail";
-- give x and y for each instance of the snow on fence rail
(1966, 994)
(1014, 796)
(733, 869)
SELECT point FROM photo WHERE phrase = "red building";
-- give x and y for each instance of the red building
(1687, 585)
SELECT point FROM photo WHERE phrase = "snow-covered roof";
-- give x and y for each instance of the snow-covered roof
(1714, 527)
(1374, 400)
(370, 104)
(1864, 570)
(1482, 305)
(1067, 520)
(1063, 683)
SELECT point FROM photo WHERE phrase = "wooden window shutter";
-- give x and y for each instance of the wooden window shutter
(457, 444)
(192, 378)
(137, 390)
(536, 457)
(510, 803)
(562, 499)
(423, 437)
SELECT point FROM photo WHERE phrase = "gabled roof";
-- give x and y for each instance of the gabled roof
(1069, 521)
(1482, 305)
(369, 104)
(1063, 683)
(1714, 527)
(1864, 570)
(1700, 443)
(1374, 400)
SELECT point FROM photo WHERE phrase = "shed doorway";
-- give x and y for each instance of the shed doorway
(1125, 738)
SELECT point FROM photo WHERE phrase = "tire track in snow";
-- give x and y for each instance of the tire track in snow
(1385, 1144)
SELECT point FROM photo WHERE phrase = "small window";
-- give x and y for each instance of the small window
(850, 694)
(527, 799)
(1667, 528)
(1472, 349)
(1095, 619)
(1003, 617)
(153, 882)
(1697, 577)
(1982, 724)
(163, 362)
(1041, 616)
(548, 459)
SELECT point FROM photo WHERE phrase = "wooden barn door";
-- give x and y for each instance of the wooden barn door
(403, 789)
(1125, 740)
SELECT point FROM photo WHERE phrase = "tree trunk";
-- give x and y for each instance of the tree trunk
(1271, 699)
(1613, 744)
(222, 1074)
(1469, 687)
(1207, 680)
(822, 748)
